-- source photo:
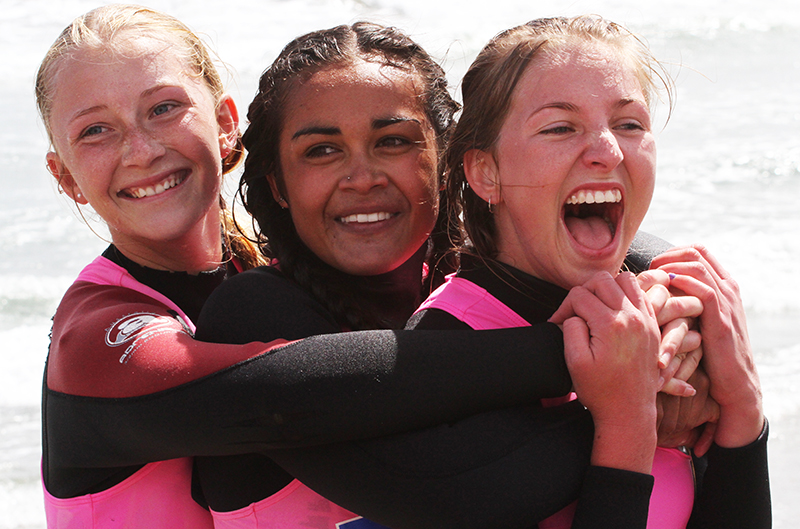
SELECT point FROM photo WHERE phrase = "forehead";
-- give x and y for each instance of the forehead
(361, 85)
(138, 55)
(579, 71)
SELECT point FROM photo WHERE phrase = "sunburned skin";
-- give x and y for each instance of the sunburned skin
(572, 172)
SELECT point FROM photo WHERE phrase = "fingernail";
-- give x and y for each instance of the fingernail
(671, 276)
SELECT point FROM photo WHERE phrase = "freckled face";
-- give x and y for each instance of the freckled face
(358, 160)
(141, 139)
(575, 162)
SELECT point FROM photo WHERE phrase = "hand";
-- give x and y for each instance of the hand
(676, 313)
(728, 356)
(611, 339)
(688, 421)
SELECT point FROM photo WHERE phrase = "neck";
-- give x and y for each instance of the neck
(386, 300)
(198, 250)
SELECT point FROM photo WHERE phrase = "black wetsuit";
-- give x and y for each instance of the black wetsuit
(324, 389)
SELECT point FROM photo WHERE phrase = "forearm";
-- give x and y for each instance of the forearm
(320, 390)
(734, 492)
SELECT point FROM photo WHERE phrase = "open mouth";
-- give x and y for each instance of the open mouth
(592, 217)
(366, 218)
(157, 189)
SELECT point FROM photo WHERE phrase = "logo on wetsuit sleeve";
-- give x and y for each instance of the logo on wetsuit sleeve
(138, 328)
(125, 329)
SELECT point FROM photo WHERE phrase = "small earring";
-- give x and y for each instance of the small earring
(78, 195)
(282, 202)
(491, 204)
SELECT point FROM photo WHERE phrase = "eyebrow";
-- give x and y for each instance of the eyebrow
(569, 107)
(145, 93)
(377, 124)
(85, 111)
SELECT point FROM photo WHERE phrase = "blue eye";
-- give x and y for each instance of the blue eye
(91, 131)
(163, 108)
(632, 125)
(561, 129)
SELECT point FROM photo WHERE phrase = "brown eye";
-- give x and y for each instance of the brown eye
(318, 151)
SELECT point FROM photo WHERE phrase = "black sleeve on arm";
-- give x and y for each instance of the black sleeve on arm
(320, 390)
(643, 250)
(734, 492)
(505, 468)
(613, 499)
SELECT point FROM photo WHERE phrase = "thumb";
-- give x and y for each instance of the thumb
(576, 340)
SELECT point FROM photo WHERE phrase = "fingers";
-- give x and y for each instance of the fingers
(677, 339)
(706, 439)
(678, 388)
(659, 297)
(678, 307)
(576, 336)
(672, 336)
(634, 293)
(651, 278)
(689, 364)
(589, 300)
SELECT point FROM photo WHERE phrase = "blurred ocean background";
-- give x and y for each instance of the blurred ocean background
(728, 176)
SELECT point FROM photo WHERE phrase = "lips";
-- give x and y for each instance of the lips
(155, 189)
(592, 216)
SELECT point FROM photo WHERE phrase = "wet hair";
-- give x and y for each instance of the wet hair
(488, 88)
(108, 29)
(300, 59)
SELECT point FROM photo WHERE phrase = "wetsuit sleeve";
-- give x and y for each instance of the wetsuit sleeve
(504, 468)
(734, 488)
(613, 499)
(644, 248)
(323, 389)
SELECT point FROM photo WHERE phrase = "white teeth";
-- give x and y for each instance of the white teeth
(366, 217)
(149, 191)
(595, 197)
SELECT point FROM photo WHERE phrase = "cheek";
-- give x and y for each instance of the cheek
(423, 193)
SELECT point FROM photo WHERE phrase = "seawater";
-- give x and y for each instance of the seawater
(728, 172)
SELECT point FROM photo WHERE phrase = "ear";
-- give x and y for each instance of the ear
(64, 178)
(276, 193)
(482, 173)
(228, 120)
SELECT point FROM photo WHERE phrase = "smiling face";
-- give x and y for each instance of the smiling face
(358, 162)
(573, 169)
(141, 139)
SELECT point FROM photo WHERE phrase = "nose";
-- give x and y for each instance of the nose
(362, 175)
(603, 151)
(140, 148)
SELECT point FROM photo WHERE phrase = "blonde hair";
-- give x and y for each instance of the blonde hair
(107, 28)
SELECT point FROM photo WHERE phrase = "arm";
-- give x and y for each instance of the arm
(304, 392)
(508, 468)
(735, 488)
